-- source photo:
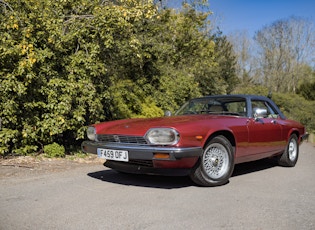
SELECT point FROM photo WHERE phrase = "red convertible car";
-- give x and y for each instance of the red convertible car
(205, 138)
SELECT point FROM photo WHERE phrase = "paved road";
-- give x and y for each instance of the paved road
(260, 195)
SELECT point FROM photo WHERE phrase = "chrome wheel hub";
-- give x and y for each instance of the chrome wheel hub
(216, 161)
(292, 150)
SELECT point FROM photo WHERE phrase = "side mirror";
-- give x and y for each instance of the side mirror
(260, 113)
(167, 113)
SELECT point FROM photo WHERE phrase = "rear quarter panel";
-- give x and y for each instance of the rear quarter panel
(290, 127)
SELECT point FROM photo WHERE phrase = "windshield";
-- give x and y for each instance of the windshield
(207, 105)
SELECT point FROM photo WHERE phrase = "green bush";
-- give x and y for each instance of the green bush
(54, 150)
(297, 108)
(67, 64)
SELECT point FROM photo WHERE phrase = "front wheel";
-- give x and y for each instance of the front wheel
(216, 163)
(291, 153)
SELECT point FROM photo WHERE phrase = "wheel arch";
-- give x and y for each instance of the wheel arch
(200, 173)
(296, 132)
(227, 134)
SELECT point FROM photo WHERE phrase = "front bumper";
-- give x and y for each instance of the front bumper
(178, 157)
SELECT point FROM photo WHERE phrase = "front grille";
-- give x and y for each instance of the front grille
(122, 139)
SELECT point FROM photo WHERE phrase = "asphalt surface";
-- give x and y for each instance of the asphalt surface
(259, 195)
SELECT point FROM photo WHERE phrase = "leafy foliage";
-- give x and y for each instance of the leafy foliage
(54, 150)
(68, 63)
(307, 90)
(297, 108)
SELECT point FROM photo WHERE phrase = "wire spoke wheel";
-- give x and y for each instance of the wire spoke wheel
(216, 160)
(291, 154)
(216, 164)
(292, 149)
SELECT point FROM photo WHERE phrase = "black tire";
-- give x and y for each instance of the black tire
(291, 153)
(216, 164)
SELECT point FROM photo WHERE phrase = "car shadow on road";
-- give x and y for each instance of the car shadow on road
(152, 181)
(254, 166)
(173, 182)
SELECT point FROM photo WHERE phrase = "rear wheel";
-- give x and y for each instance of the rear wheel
(291, 153)
(216, 164)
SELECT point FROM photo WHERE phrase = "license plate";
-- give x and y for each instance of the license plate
(113, 154)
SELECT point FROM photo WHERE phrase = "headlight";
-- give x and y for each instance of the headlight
(162, 136)
(91, 133)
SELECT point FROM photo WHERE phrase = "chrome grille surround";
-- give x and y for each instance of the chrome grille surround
(121, 139)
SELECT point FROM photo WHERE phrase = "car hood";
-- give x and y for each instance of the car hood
(140, 126)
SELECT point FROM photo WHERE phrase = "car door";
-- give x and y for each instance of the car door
(265, 130)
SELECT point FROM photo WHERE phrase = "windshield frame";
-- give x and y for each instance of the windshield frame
(232, 105)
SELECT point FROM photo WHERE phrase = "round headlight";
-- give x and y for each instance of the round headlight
(91, 133)
(162, 136)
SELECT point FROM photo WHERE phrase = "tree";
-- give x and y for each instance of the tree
(244, 48)
(225, 57)
(43, 94)
(285, 47)
(67, 64)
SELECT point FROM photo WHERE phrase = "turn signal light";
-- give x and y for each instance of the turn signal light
(199, 138)
(161, 155)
